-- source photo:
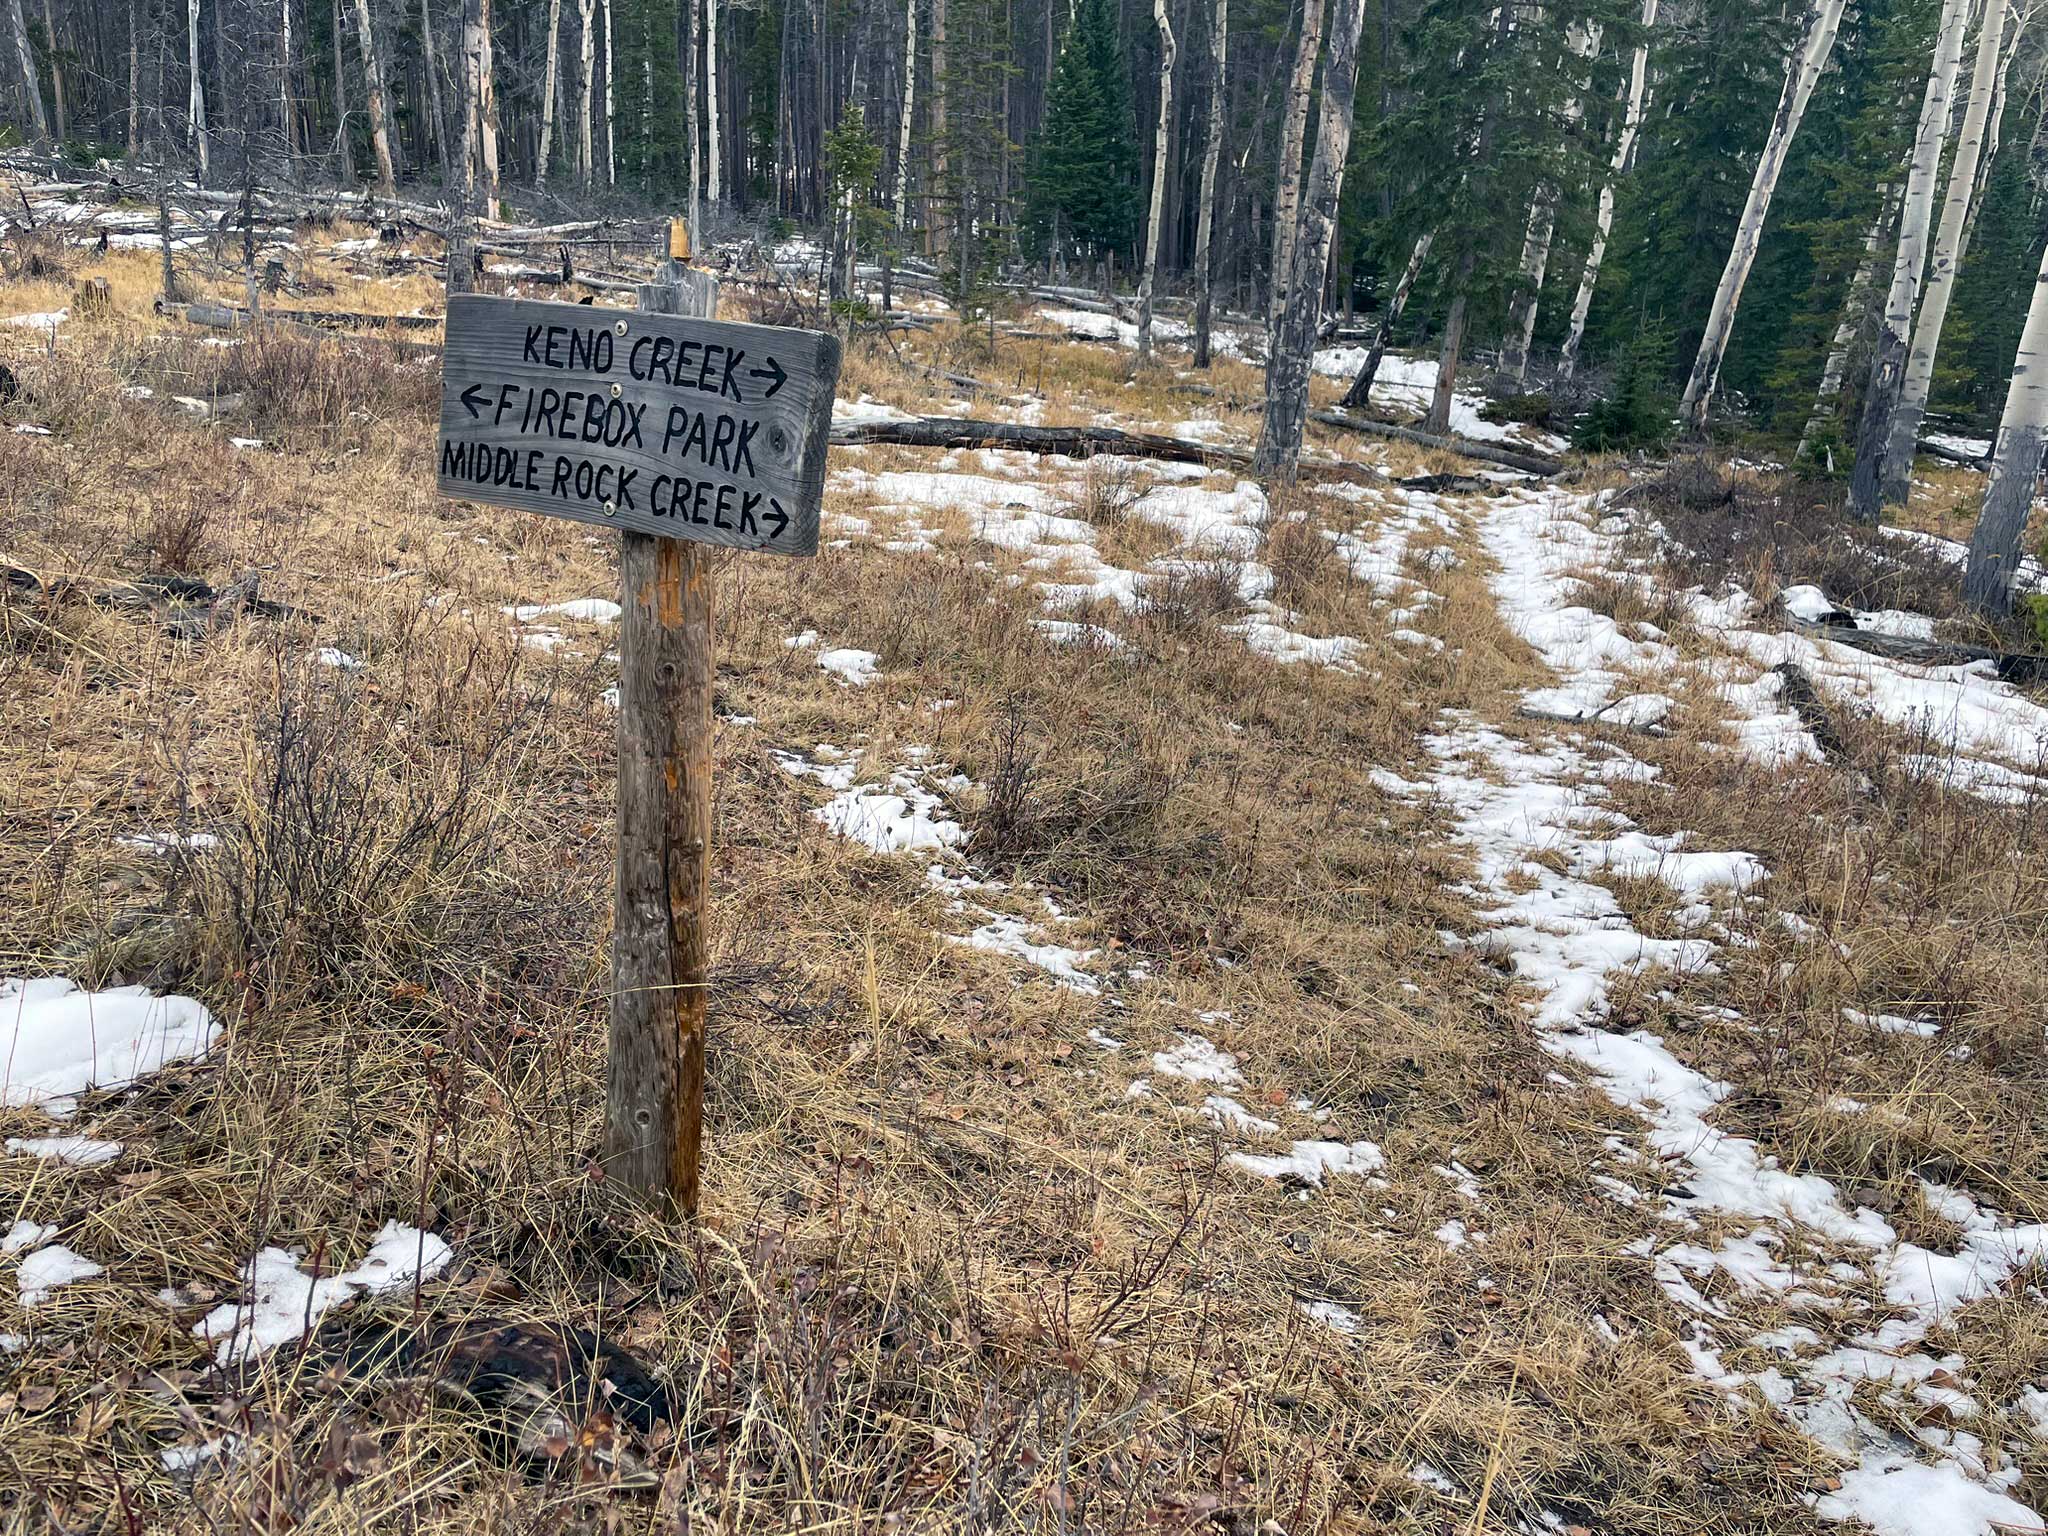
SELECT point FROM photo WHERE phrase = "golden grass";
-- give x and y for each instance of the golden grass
(951, 1274)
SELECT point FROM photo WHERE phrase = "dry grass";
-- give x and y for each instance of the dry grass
(951, 1274)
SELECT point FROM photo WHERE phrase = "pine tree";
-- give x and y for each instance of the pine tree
(1083, 186)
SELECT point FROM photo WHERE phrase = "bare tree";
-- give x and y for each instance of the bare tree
(1909, 262)
(196, 97)
(1855, 308)
(547, 98)
(1293, 346)
(380, 121)
(1360, 390)
(1212, 152)
(1603, 220)
(1294, 128)
(1156, 219)
(1584, 41)
(1802, 72)
(1986, 86)
(2015, 466)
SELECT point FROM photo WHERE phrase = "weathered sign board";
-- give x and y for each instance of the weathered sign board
(677, 430)
(708, 430)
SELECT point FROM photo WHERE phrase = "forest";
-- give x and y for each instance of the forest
(1206, 767)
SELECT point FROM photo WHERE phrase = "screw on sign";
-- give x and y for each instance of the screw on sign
(680, 431)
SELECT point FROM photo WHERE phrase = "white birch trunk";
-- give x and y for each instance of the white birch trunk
(195, 106)
(2015, 466)
(373, 76)
(1823, 20)
(547, 93)
(712, 136)
(1360, 390)
(1212, 154)
(1583, 40)
(1287, 194)
(611, 137)
(1293, 345)
(1156, 219)
(135, 80)
(1603, 219)
(56, 69)
(457, 265)
(1854, 304)
(692, 84)
(1911, 410)
(909, 106)
(284, 83)
(586, 14)
(1888, 357)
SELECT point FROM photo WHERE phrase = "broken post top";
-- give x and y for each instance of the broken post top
(679, 428)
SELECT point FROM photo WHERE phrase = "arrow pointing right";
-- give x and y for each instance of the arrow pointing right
(781, 517)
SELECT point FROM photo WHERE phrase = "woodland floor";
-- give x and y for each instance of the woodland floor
(1363, 1009)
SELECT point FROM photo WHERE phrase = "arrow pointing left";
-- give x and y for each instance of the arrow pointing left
(476, 406)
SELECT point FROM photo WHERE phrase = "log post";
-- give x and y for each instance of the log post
(654, 1085)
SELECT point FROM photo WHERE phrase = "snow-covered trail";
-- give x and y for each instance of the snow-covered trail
(1531, 813)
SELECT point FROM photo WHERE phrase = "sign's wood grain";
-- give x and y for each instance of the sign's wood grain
(678, 428)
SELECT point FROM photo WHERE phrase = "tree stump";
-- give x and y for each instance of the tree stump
(92, 299)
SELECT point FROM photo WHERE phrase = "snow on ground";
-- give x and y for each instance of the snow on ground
(1520, 810)
(284, 1303)
(1409, 383)
(47, 321)
(46, 1269)
(80, 1151)
(57, 1041)
(1218, 529)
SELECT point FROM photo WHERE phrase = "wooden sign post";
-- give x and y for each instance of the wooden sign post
(682, 431)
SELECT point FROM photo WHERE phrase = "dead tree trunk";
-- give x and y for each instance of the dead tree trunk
(2015, 466)
(1212, 153)
(380, 122)
(25, 59)
(195, 100)
(1603, 220)
(1288, 360)
(586, 15)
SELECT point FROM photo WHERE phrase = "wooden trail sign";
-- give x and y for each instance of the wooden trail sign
(763, 380)
(676, 427)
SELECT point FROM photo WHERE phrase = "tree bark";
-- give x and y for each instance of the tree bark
(586, 12)
(56, 71)
(435, 102)
(1287, 192)
(380, 122)
(1888, 356)
(487, 114)
(935, 227)
(2015, 466)
(1156, 219)
(713, 135)
(1855, 308)
(287, 117)
(903, 122)
(1824, 18)
(1439, 418)
(135, 79)
(1603, 220)
(1360, 391)
(1293, 346)
(550, 83)
(1946, 262)
(611, 137)
(459, 277)
(25, 58)
(1583, 40)
(344, 150)
(1212, 154)
(693, 80)
(195, 101)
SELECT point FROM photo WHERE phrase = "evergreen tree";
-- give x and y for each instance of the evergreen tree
(1083, 185)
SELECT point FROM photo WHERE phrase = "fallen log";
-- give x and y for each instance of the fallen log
(1950, 455)
(1074, 442)
(1507, 458)
(2012, 666)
